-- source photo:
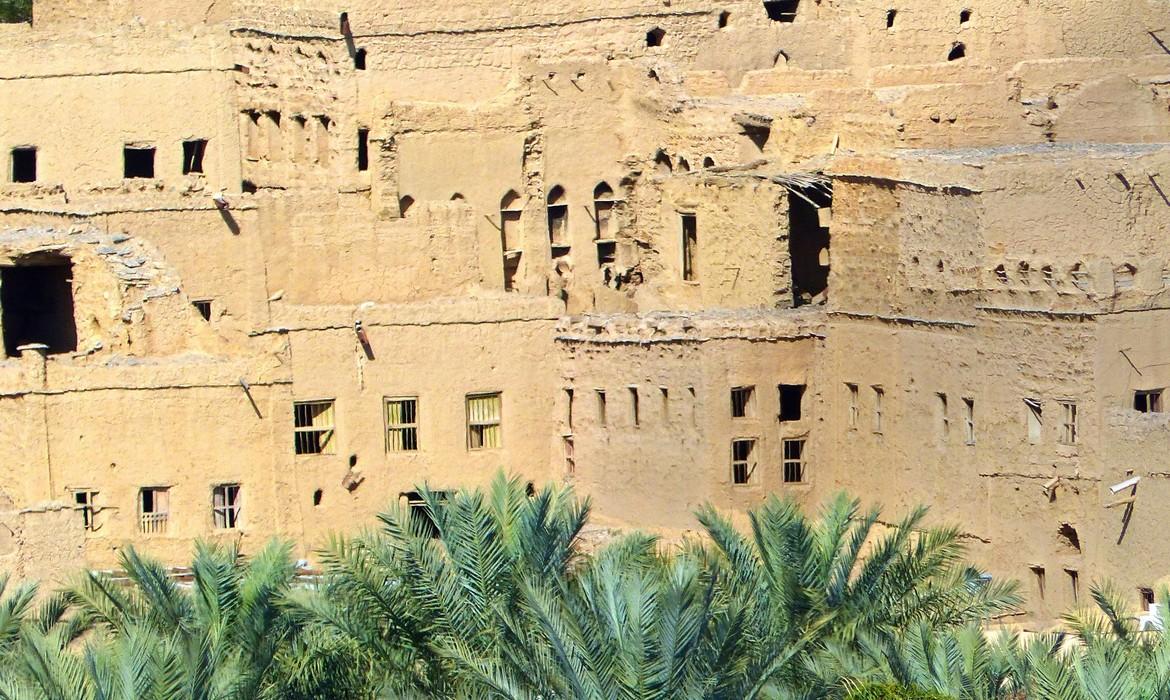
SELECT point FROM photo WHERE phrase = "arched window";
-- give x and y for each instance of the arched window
(684, 165)
(404, 204)
(458, 197)
(603, 212)
(558, 218)
(662, 163)
(957, 51)
(723, 18)
(708, 162)
(655, 36)
(1001, 275)
(510, 210)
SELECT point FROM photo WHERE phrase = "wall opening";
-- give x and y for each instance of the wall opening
(690, 247)
(1035, 417)
(405, 202)
(422, 520)
(1041, 583)
(723, 18)
(193, 155)
(36, 304)
(791, 397)
(363, 150)
(203, 306)
(655, 36)
(138, 162)
(24, 164)
(808, 244)
(317, 495)
(635, 407)
(603, 220)
(743, 404)
(964, 16)
(662, 163)
(153, 510)
(1067, 534)
(708, 162)
(781, 10)
(793, 461)
(891, 15)
(957, 51)
(225, 506)
(510, 213)
(743, 464)
(359, 59)
(1074, 584)
(1146, 597)
(1147, 401)
(1123, 277)
(558, 218)
(601, 417)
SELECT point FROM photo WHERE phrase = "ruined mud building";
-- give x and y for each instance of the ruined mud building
(265, 266)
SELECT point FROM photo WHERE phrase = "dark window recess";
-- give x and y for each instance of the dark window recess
(24, 165)
(138, 162)
(791, 396)
(363, 150)
(964, 16)
(1068, 535)
(957, 51)
(793, 461)
(1147, 597)
(36, 300)
(891, 15)
(203, 306)
(193, 156)
(248, 187)
(317, 495)
(723, 18)
(808, 245)
(606, 252)
(655, 36)
(781, 10)
(422, 520)
(690, 247)
(1148, 401)
(359, 59)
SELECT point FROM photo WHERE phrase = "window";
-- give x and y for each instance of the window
(743, 402)
(958, 50)
(402, 424)
(85, 502)
(791, 397)
(203, 306)
(193, 156)
(1038, 573)
(363, 150)
(558, 218)
(723, 19)
(483, 421)
(879, 394)
(964, 16)
(323, 148)
(36, 304)
(655, 36)
(138, 162)
(1035, 417)
(24, 164)
(743, 464)
(1080, 277)
(635, 409)
(1123, 277)
(781, 10)
(1068, 423)
(153, 510)
(944, 417)
(225, 506)
(570, 460)
(969, 419)
(1147, 401)
(1146, 597)
(422, 520)
(690, 245)
(854, 406)
(313, 427)
(665, 393)
(601, 407)
(891, 15)
(359, 59)
(603, 212)
(1074, 584)
(510, 211)
(793, 461)
(569, 409)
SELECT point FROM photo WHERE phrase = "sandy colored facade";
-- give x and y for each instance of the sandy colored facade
(264, 268)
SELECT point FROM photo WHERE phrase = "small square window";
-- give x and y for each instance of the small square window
(793, 461)
(193, 156)
(203, 306)
(743, 464)
(138, 162)
(313, 427)
(483, 421)
(743, 404)
(225, 506)
(24, 164)
(402, 424)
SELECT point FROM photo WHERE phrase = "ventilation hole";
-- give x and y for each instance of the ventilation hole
(708, 162)
(890, 15)
(317, 497)
(957, 51)
(655, 36)
(723, 17)
(1068, 535)
(964, 16)
(404, 204)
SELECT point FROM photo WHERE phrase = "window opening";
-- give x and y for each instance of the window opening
(363, 150)
(964, 16)
(275, 140)
(1123, 277)
(791, 397)
(569, 409)
(153, 510)
(723, 18)
(569, 451)
(203, 306)
(808, 244)
(879, 396)
(24, 164)
(558, 218)
(957, 51)
(601, 417)
(793, 461)
(635, 407)
(359, 59)
(404, 204)
(1068, 423)
(854, 406)
(1146, 597)
(1035, 418)
(1147, 401)
(743, 464)
(225, 506)
(743, 402)
(890, 16)
(944, 417)
(85, 503)
(313, 427)
(655, 36)
(36, 304)
(138, 162)
(662, 163)
(1080, 277)
(665, 393)
(1039, 575)
(402, 424)
(690, 246)
(422, 520)
(323, 145)
(483, 421)
(1068, 535)
(193, 156)
(1074, 583)
(603, 203)
(781, 10)
(969, 419)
